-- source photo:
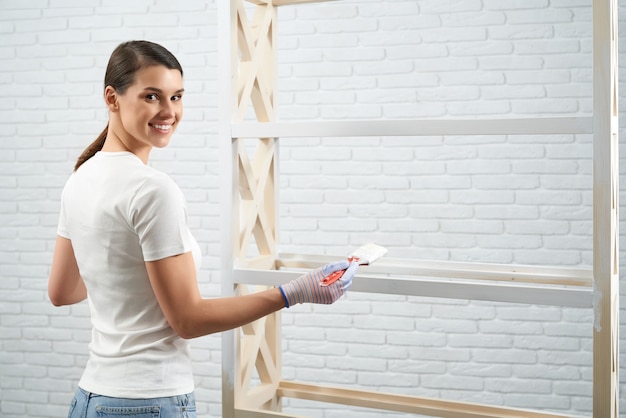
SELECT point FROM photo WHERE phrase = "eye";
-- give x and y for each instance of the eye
(152, 97)
(177, 98)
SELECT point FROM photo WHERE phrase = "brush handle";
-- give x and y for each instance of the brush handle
(333, 277)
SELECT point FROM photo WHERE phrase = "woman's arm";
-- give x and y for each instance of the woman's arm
(65, 286)
(175, 285)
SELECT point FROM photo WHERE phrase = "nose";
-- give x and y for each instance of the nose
(167, 109)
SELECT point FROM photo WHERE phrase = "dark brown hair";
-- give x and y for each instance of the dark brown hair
(126, 60)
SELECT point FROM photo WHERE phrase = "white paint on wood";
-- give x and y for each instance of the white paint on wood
(413, 127)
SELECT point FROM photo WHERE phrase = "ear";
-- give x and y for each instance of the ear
(110, 98)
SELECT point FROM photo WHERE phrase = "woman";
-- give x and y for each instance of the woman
(124, 245)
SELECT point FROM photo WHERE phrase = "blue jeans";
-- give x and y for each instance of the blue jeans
(90, 405)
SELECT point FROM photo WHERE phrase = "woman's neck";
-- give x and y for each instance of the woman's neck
(114, 143)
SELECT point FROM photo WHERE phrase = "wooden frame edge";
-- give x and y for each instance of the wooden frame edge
(404, 403)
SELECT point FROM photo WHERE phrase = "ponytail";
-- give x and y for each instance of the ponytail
(94, 147)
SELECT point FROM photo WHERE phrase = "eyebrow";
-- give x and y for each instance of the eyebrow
(158, 90)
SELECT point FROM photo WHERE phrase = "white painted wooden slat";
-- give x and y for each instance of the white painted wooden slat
(413, 127)
(529, 293)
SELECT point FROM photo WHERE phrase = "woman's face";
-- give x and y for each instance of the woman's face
(151, 108)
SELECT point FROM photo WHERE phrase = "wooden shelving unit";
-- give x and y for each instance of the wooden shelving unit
(252, 382)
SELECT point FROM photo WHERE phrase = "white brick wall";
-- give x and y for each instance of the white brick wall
(521, 199)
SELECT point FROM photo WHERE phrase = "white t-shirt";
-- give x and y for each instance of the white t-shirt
(120, 213)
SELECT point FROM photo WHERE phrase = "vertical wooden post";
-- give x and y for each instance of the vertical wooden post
(226, 19)
(605, 210)
(252, 355)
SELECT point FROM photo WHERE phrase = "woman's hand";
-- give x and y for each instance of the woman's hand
(308, 288)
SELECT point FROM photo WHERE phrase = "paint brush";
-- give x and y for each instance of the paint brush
(364, 255)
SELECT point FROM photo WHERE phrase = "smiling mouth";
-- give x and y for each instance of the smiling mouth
(162, 128)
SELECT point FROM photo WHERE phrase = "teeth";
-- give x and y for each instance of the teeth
(162, 127)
